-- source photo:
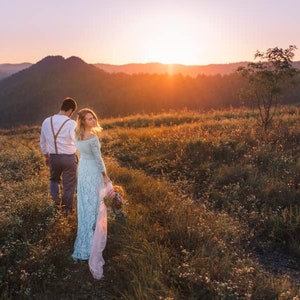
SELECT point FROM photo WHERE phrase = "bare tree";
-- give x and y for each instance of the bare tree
(268, 79)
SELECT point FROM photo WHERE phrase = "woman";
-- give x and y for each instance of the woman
(91, 211)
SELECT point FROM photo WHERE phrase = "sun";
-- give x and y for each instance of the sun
(171, 42)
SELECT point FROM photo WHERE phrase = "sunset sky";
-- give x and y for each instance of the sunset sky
(197, 32)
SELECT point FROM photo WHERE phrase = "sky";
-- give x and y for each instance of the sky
(190, 32)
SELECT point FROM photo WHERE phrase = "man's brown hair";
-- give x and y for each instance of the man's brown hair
(69, 103)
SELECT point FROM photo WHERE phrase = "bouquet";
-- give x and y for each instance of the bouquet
(114, 200)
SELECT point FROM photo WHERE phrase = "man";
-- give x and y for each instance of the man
(57, 144)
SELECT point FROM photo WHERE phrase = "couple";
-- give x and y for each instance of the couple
(60, 138)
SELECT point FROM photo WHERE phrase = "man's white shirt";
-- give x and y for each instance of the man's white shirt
(65, 140)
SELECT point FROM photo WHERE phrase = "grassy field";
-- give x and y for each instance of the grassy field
(213, 211)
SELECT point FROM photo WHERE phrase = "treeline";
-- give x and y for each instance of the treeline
(153, 93)
(30, 95)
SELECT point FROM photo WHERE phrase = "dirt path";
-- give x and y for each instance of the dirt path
(276, 260)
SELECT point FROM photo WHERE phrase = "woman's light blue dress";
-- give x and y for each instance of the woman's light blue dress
(89, 185)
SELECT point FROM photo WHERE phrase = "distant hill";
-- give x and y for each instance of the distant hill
(33, 93)
(148, 68)
(193, 71)
(8, 69)
(28, 96)
(158, 68)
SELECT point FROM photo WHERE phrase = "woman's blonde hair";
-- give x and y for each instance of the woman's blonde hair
(79, 129)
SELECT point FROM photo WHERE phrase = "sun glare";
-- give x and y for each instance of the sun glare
(171, 42)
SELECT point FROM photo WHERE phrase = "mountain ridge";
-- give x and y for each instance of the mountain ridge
(31, 94)
(8, 69)
(39, 89)
(172, 69)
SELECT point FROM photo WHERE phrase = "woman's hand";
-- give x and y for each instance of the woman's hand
(106, 179)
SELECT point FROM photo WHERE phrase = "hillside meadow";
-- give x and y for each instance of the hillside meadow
(213, 211)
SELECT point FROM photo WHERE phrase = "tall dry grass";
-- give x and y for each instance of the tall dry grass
(202, 190)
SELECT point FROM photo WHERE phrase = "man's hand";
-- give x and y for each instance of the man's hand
(47, 160)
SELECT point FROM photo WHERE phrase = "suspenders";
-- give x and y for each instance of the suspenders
(56, 134)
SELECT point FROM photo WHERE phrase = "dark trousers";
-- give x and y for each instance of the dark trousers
(63, 169)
